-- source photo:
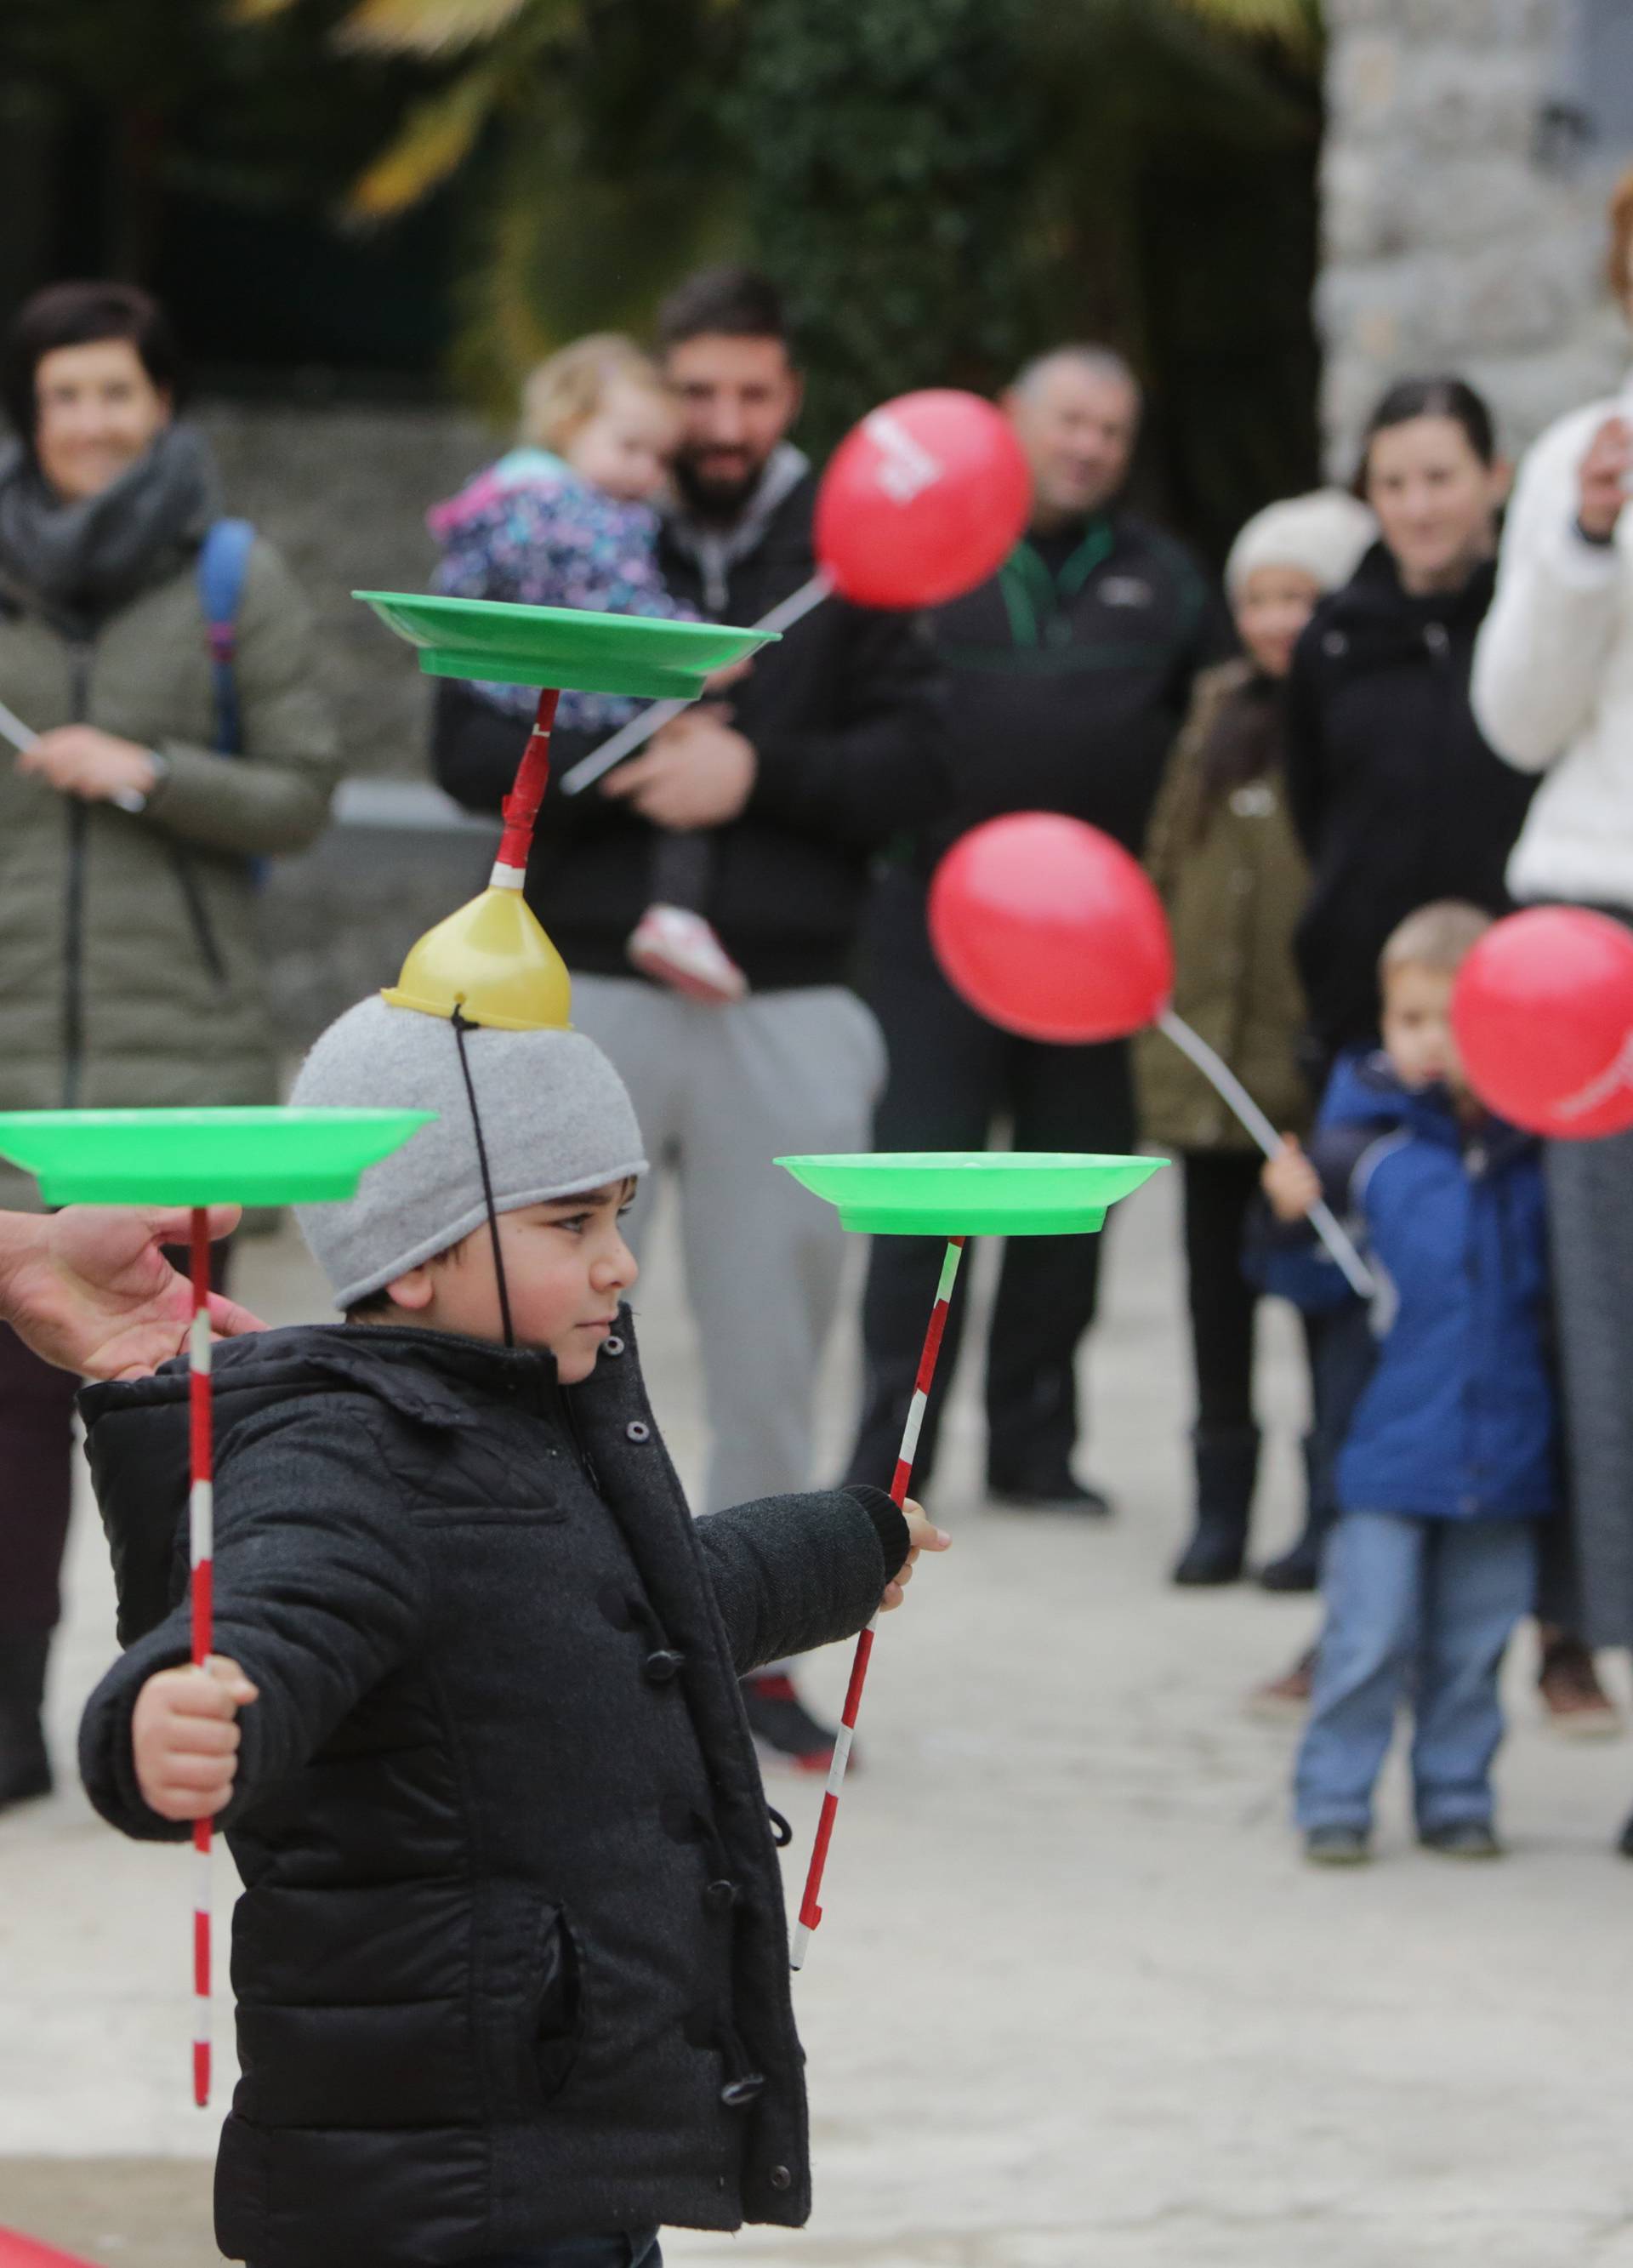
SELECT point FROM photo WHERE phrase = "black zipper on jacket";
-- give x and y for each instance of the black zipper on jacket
(198, 914)
(74, 899)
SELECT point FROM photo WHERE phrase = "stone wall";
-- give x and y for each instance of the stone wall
(342, 492)
(1451, 239)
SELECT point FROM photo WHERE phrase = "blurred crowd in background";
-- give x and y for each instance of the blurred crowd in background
(1409, 693)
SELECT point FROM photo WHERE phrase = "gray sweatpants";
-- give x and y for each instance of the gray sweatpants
(720, 1092)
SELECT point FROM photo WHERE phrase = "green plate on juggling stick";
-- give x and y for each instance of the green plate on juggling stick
(972, 1192)
(252, 1155)
(635, 654)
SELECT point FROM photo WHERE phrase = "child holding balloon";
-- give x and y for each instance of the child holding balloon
(1450, 1460)
(1234, 881)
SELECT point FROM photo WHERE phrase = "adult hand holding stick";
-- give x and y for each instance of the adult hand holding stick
(697, 772)
(89, 1288)
(651, 721)
(80, 760)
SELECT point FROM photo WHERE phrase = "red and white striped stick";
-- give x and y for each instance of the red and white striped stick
(521, 806)
(810, 1909)
(201, 1527)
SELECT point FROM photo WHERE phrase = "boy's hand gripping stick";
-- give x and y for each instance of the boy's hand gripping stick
(810, 1909)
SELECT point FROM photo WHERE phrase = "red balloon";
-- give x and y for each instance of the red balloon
(924, 500)
(1050, 928)
(1543, 1017)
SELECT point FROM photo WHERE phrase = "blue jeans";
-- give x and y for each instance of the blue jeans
(1420, 1610)
(639, 2250)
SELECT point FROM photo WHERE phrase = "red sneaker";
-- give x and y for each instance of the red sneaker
(680, 949)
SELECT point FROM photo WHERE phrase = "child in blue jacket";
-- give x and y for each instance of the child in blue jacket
(1451, 1459)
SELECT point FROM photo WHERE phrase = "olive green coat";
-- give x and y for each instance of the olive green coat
(1233, 896)
(130, 967)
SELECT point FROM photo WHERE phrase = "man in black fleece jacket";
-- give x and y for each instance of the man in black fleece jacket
(833, 748)
(512, 1962)
(1070, 673)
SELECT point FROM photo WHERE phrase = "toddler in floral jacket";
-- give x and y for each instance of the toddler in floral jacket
(568, 520)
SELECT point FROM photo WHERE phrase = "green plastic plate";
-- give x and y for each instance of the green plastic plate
(260, 1155)
(972, 1192)
(563, 645)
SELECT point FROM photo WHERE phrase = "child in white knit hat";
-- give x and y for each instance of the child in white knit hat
(1223, 853)
(512, 1962)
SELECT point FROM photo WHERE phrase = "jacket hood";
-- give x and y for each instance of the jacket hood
(136, 1431)
(715, 549)
(1366, 1091)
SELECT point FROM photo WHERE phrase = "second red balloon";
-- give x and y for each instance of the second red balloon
(1050, 928)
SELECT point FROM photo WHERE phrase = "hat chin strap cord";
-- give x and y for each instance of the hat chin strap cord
(461, 1025)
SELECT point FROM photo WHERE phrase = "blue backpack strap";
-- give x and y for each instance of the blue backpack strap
(222, 561)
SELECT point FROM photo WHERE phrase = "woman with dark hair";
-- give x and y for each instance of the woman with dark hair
(129, 967)
(1222, 855)
(1554, 689)
(1397, 797)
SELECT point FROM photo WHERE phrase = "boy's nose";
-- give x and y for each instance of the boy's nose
(617, 1270)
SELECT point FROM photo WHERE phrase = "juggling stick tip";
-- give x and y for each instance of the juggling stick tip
(19, 2252)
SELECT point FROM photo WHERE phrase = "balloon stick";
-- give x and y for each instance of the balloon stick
(1230, 1090)
(640, 729)
(13, 729)
(810, 1909)
(201, 1526)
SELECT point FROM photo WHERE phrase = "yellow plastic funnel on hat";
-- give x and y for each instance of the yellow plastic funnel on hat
(491, 960)
(494, 963)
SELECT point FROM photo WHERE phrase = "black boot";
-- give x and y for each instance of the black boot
(25, 1767)
(1299, 1568)
(1227, 1463)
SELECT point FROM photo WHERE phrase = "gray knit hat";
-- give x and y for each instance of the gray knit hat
(555, 1118)
(1323, 534)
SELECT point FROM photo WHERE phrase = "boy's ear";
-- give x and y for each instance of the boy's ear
(412, 1290)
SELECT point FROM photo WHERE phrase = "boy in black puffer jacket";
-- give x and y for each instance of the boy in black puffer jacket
(510, 1959)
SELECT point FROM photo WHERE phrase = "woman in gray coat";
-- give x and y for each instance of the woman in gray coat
(130, 967)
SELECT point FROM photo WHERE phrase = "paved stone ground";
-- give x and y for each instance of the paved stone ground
(1076, 2003)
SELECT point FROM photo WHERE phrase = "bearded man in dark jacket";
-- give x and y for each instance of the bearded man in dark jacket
(830, 748)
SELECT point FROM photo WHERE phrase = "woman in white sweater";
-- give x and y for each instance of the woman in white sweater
(1552, 691)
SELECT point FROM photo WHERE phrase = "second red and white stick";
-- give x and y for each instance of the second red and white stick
(521, 806)
(810, 1907)
(201, 1532)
